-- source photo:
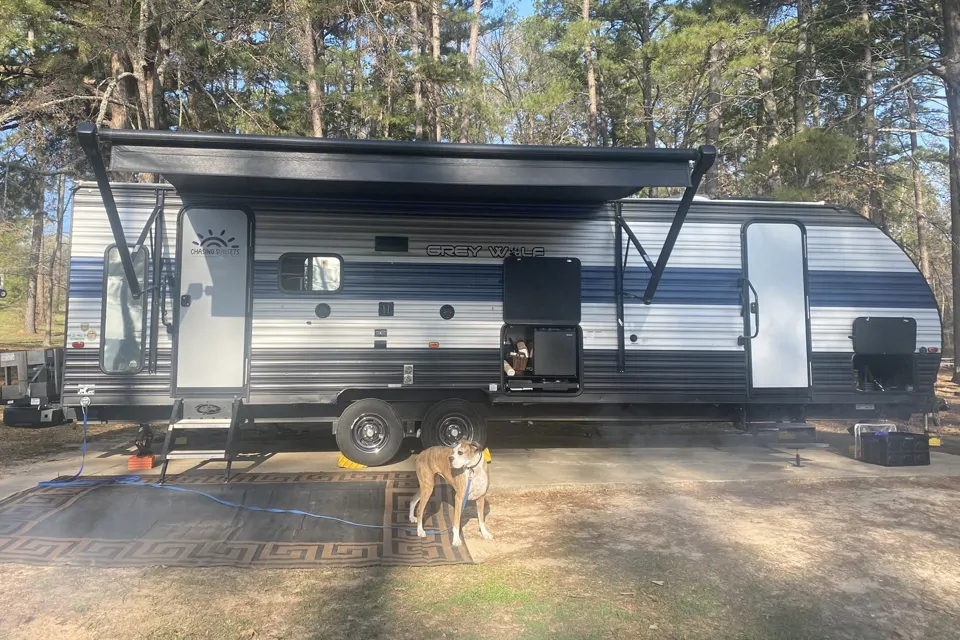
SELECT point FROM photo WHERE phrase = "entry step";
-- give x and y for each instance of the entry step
(202, 423)
(184, 454)
(785, 433)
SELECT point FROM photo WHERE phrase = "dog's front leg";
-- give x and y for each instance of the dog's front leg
(457, 513)
(426, 491)
(481, 503)
(413, 508)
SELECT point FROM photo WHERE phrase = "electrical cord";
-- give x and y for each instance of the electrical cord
(137, 481)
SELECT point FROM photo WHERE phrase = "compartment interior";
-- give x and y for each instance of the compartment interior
(541, 359)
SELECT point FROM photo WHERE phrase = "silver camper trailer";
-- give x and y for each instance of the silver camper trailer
(398, 289)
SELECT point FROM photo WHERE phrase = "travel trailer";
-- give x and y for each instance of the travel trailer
(397, 289)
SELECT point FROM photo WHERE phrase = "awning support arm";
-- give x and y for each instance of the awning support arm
(157, 209)
(706, 156)
(705, 159)
(618, 286)
(622, 224)
(159, 243)
(89, 142)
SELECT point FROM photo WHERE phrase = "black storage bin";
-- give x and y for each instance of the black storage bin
(896, 449)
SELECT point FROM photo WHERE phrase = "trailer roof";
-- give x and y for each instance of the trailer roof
(238, 165)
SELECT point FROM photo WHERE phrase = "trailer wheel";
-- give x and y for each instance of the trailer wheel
(370, 432)
(450, 421)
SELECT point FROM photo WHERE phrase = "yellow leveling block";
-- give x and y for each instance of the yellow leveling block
(346, 463)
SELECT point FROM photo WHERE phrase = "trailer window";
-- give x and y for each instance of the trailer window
(301, 273)
(122, 321)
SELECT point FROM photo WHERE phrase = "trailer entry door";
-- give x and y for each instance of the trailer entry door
(776, 321)
(213, 258)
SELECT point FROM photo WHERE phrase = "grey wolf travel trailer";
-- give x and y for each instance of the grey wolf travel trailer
(392, 287)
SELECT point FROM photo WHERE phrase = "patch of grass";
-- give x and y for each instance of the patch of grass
(491, 591)
(12, 335)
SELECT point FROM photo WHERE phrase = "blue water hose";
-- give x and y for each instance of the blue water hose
(137, 481)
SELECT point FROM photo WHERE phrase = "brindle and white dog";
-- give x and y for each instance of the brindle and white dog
(460, 465)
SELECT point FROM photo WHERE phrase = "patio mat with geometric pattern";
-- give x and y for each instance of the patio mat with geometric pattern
(114, 525)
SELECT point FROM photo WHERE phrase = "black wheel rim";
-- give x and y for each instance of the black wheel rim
(370, 433)
(454, 428)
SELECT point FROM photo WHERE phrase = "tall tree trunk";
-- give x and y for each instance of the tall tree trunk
(646, 81)
(472, 61)
(955, 234)
(950, 50)
(34, 257)
(767, 96)
(144, 68)
(815, 84)
(804, 11)
(918, 188)
(119, 118)
(922, 248)
(714, 111)
(591, 77)
(308, 50)
(417, 81)
(435, 43)
(54, 254)
(871, 208)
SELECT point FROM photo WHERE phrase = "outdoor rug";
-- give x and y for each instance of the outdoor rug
(107, 524)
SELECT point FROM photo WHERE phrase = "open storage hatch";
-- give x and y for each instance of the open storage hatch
(541, 342)
(885, 354)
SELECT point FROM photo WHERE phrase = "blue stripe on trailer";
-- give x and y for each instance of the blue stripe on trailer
(483, 282)
(884, 289)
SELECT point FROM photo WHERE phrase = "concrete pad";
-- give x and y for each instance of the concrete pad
(521, 467)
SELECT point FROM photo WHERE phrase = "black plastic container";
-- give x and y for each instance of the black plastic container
(896, 449)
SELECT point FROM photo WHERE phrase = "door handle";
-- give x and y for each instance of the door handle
(752, 308)
(185, 300)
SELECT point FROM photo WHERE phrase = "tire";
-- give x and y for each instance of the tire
(369, 432)
(450, 421)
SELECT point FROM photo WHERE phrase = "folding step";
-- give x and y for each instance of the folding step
(203, 423)
(195, 419)
(186, 454)
(787, 435)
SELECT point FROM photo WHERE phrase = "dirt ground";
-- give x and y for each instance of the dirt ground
(853, 559)
(23, 447)
(766, 560)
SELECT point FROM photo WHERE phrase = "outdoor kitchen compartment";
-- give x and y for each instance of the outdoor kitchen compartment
(541, 341)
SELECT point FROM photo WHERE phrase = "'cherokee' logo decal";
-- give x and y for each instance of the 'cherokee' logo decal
(215, 245)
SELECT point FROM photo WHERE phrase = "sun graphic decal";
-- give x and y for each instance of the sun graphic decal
(211, 241)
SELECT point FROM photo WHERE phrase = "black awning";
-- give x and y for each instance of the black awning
(246, 165)
(237, 166)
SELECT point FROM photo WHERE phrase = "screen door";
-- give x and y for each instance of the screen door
(211, 338)
(775, 270)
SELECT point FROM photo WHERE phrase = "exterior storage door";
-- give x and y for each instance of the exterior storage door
(213, 258)
(776, 315)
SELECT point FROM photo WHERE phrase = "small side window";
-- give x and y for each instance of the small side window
(309, 273)
(122, 321)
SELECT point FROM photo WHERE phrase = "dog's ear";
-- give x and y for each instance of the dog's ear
(476, 446)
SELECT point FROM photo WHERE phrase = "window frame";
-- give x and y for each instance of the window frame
(103, 311)
(304, 254)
